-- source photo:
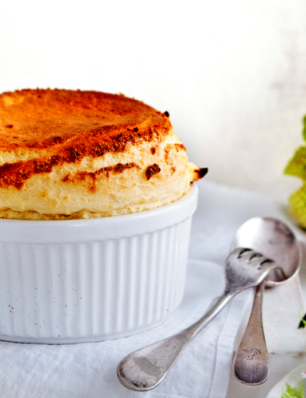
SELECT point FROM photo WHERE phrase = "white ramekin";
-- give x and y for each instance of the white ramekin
(91, 280)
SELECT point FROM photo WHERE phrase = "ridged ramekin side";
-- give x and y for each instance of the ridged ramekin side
(91, 291)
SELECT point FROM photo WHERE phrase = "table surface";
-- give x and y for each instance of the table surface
(282, 308)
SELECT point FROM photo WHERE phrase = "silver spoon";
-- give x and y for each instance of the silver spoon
(275, 240)
(146, 368)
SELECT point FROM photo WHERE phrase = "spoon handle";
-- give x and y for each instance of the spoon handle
(145, 369)
(251, 363)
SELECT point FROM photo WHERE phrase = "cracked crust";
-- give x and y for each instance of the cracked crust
(52, 127)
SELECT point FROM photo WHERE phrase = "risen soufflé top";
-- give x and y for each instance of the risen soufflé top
(83, 154)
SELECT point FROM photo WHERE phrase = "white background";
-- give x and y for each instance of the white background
(232, 74)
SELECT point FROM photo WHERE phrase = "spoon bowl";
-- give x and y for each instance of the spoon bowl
(274, 240)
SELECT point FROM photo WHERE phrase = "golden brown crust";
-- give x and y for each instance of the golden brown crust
(200, 173)
(170, 147)
(64, 126)
(92, 177)
(152, 170)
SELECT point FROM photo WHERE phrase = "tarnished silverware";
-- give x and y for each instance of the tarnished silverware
(146, 368)
(275, 240)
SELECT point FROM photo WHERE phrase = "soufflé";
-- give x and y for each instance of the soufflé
(82, 154)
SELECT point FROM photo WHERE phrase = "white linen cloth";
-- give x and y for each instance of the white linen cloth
(202, 370)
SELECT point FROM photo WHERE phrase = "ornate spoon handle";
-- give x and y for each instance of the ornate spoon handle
(146, 368)
(251, 363)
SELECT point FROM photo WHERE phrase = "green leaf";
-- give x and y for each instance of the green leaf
(297, 165)
(302, 323)
(297, 392)
(304, 128)
(297, 203)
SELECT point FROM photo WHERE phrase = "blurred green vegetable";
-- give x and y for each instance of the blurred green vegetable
(297, 392)
(302, 323)
(297, 168)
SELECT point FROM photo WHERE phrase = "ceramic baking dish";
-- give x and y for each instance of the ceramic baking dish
(91, 280)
